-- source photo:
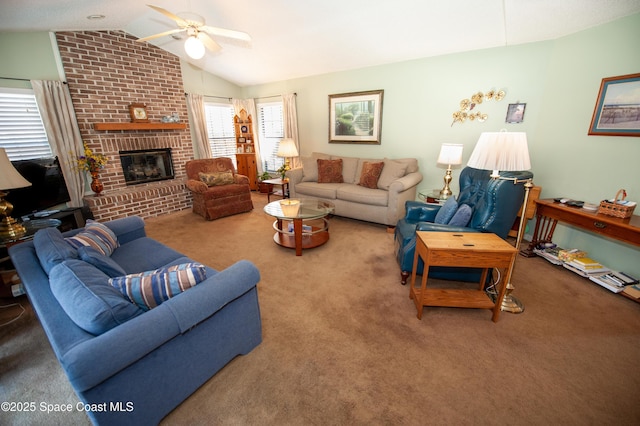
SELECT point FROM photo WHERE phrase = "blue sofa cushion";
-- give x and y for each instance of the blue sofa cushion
(84, 293)
(95, 235)
(462, 216)
(105, 263)
(51, 248)
(447, 211)
(150, 288)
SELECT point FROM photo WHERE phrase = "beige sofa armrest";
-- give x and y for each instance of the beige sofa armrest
(400, 191)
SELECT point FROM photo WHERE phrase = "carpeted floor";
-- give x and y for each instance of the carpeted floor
(342, 344)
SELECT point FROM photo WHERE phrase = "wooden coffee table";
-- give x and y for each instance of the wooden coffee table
(466, 249)
(308, 216)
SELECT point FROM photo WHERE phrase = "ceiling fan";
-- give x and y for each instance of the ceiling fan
(199, 34)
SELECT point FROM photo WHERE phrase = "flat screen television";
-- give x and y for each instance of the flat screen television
(48, 188)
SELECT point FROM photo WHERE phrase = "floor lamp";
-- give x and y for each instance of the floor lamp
(505, 151)
(10, 229)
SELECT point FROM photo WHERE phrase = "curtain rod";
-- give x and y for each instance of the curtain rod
(212, 96)
(272, 96)
(20, 79)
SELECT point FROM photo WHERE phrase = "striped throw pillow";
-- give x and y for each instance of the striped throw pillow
(149, 289)
(95, 235)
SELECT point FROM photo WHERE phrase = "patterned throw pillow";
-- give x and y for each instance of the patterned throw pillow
(149, 289)
(370, 174)
(330, 171)
(95, 235)
(216, 178)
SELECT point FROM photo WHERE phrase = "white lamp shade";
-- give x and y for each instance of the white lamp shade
(9, 176)
(506, 151)
(194, 47)
(450, 154)
(287, 148)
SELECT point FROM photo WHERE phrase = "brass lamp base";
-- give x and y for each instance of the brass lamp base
(10, 229)
(511, 304)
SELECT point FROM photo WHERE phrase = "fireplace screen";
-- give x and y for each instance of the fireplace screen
(146, 165)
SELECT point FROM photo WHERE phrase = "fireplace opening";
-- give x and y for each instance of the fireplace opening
(149, 165)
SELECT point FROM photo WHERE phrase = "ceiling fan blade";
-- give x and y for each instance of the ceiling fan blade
(221, 32)
(209, 43)
(170, 15)
(151, 37)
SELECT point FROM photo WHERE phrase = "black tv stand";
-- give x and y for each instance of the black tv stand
(71, 218)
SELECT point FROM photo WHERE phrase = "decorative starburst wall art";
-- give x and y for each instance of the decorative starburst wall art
(467, 106)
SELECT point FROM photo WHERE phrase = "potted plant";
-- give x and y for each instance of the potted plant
(264, 187)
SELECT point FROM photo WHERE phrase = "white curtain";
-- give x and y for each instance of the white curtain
(59, 118)
(249, 105)
(290, 121)
(195, 108)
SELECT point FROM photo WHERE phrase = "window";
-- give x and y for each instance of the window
(271, 131)
(220, 129)
(22, 133)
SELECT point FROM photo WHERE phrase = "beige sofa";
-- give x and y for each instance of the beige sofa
(383, 204)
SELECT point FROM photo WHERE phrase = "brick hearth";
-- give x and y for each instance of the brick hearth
(106, 71)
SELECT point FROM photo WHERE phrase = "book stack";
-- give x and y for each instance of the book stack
(550, 254)
(616, 282)
(586, 267)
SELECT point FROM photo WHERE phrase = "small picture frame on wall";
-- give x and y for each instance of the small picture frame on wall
(138, 113)
(617, 110)
(515, 113)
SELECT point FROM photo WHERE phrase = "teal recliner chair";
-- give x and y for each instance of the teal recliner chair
(493, 206)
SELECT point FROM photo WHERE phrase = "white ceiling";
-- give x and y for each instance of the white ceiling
(298, 38)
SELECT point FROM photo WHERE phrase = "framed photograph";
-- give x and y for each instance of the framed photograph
(138, 113)
(356, 117)
(515, 113)
(241, 140)
(617, 111)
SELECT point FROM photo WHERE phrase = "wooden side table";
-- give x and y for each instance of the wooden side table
(283, 192)
(466, 249)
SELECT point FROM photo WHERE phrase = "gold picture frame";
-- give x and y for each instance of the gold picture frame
(356, 117)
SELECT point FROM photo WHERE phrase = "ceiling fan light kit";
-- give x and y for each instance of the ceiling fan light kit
(194, 47)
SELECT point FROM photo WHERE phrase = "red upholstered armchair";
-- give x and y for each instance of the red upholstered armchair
(217, 190)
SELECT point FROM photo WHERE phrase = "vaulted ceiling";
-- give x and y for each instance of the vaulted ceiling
(297, 38)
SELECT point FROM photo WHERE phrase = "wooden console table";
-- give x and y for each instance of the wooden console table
(466, 249)
(549, 213)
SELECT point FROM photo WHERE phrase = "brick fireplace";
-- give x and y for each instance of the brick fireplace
(106, 72)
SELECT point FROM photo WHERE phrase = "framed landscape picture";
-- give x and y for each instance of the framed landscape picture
(356, 117)
(617, 111)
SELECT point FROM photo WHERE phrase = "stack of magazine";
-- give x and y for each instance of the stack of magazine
(584, 266)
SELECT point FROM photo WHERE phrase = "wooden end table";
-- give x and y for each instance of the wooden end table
(465, 249)
(283, 192)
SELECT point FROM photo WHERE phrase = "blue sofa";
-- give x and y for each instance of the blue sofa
(141, 368)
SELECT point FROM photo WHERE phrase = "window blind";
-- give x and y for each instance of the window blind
(271, 130)
(22, 132)
(220, 130)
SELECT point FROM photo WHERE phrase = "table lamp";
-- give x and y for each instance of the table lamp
(506, 151)
(287, 149)
(10, 229)
(450, 155)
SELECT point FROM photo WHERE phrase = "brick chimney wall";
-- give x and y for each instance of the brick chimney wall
(106, 72)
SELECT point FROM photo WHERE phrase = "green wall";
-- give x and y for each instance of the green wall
(557, 79)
